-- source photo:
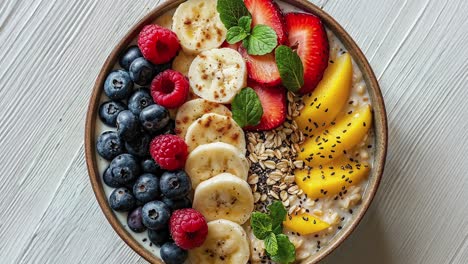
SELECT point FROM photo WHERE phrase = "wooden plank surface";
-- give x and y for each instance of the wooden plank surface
(51, 52)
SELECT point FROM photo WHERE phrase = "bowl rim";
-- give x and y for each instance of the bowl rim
(379, 124)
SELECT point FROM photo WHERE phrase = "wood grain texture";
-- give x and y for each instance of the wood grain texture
(51, 52)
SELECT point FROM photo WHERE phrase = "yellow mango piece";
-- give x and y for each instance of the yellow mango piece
(305, 224)
(332, 142)
(325, 103)
(332, 179)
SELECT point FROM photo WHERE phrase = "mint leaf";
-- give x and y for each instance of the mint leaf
(286, 251)
(230, 11)
(245, 22)
(235, 34)
(271, 244)
(247, 109)
(261, 225)
(290, 68)
(277, 215)
(262, 40)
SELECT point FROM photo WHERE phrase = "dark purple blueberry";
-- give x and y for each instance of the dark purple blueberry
(162, 67)
(109, 180)
(142, 71)
(121, 199)
(150, 166)
(135, 222)
(175, 184)
(154, 118)
(118, 85)
(109, 145)
(125, 169)
(156, 215)
(139, 100)
(172, 254)
(177, 203)
(169, 128)
(159, 237)
(130, 54)
(139, 147)
(109, 111)
(128, 126)
(146, 187)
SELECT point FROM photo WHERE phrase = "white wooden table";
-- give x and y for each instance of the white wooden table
(51, 52)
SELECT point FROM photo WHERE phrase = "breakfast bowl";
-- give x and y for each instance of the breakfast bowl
(275, 161)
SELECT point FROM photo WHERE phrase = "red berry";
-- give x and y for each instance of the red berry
(169, 151)
(273, 100)
(170, 89)
(234, 46)
(306, 32)
(157, 44)
(188, 228)
(267, 12)
(261, 69)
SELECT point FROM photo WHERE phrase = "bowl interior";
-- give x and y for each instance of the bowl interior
(380, 126)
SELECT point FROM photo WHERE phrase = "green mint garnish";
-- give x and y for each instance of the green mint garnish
(236, 34)
(230, 11)
(286, 251)
(271, 244)
(278, 215)
(290, 68)
(245, 22)
(262, 40)
(246, 108)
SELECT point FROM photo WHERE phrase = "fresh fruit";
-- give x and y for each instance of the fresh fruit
(198, 26)
(146, 188)
(231, 46)
(217, 75)
(267, 12)
(130, 54)
(128, 125)
(308, 36)
(135, 221)
(226, 243)
(139, 147)
(159, 237)
(154, 118)
(182, 62)
(170, 89)
(188, 228)
(108, 178)
(169, 128)
(194, 109)
(169, 151)
(157, 44)
(175, 204)
(209, 160)
(118, 85)
(305, 224)
(261, 68)
(175, 184)
(109, 145)
(121, 199)
(332, 142)
(150, 166)
(124, 168)
(224, 196)
(142, 71)
(109, 111)
(273, 100)
(215, 128)
(329, 98)
(332, 179)
(156, 215)
(172, 254)
(140, 99)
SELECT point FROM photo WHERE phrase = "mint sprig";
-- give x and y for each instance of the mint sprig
(262, 40)
(269, 227)
(230, 11)
(290, 68)
(246, 108)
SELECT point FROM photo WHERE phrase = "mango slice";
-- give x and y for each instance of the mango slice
(305, 224)
(326, 101)
(331, 179)
(333, 142)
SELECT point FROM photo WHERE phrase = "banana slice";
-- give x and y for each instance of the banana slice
(224, 196)
(194, 109)
(226, 243)
(198, 26)
(209, 160)
(215, 128)
(182, 62)
(217, 75)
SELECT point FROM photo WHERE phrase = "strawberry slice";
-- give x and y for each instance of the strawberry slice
(273, 100)
(231, 46)
(307, 35)
(267, 12)
(261, 68)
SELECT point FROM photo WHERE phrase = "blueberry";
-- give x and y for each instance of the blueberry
(128, 126)
(175, 184)
(177, 203)
(121, 199)
(158, 237)
(172, 254)
(118, 85)
(142, 71)
(125, 169)
(109, 180)
(140, 146)
(156, 215)
(109, 111)
(162, 67)
(146, 187)
(130, 54)
(134, 221)
(150, 166)
(154, 118)
(169, 128)
(139, 100)
(109, 145)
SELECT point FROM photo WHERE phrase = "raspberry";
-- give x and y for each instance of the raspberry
(188, 228)
(169, 151)
(170, 89)
(157, 44)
